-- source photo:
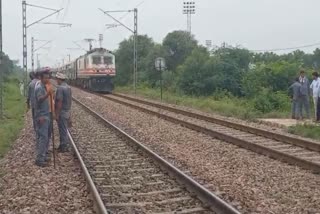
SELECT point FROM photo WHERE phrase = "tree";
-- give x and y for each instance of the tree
(150, 75)
(124, 58)
(178, 45)
(276, 76)
(194, 78)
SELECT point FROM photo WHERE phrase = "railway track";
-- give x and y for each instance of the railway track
(126, 177)
(295, 151)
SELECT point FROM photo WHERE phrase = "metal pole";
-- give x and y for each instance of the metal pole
(1, 70)
(189, 21)
(32, 53)
(161, 81)
(135, 51)
(25, 52)
(52, 133)
(38, 62)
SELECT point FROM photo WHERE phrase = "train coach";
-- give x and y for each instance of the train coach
(93, 71)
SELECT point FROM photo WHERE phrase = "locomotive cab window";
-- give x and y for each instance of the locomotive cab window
(108, 60)
(96, 60)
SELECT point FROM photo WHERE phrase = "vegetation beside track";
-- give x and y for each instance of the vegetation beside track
(14, 109)
(226, 105)
(307, 130)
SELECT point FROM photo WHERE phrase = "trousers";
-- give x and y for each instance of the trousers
(315, 103)
(304, 104)
(63, 131)
(34, 120)
(295, 109)
(43, 125)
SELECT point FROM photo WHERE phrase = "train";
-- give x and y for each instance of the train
(93, 71)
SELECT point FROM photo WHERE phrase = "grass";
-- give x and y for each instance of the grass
(309, 131)
(14, 109)
(231, 107)
(223, 105)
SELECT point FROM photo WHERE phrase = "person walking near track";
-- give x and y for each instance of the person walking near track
(42, 117)
(315, 85)
(63, 102)
(305, 93)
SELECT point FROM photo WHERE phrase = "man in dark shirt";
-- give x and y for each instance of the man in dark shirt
(42, 117)
(63, 102)
(295, 90)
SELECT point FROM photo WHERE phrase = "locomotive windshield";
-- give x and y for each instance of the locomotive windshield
(108, 60)
(96, 60)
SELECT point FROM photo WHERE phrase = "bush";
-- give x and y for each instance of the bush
(267, 101)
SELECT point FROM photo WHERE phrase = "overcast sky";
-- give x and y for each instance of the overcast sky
(254, 24)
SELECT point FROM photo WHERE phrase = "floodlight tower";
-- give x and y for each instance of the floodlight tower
(100, 40)
(189, 8)
(209, 44)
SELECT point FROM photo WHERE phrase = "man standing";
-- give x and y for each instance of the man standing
(42, 117)
(315, 85)
(63, 107)
(31, 102)
(305, 92)
(295, 90)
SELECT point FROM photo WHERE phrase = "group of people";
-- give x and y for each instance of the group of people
(47, 106)
(301, 90)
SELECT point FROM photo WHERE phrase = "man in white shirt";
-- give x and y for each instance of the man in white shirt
(315, 86)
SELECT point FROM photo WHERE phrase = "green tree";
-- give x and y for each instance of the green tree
(194, 77)
(276, 76)
(124, 58)
(179, 45)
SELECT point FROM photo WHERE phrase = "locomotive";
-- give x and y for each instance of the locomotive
(93, 71)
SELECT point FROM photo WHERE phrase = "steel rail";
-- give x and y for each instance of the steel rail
(98, 203)
(207, 197)
(278, 155)
(304, 143)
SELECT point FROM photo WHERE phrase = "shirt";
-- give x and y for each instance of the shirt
(295, 90)
(64, 94)
(31, 89)
(50, 98)
(315, 85)
(305, 87)
(42, 108)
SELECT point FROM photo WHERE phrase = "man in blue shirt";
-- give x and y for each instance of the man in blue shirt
(42, 117)
(63, 102)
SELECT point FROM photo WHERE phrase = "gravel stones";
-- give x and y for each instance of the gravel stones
(251, 182)
(26, 188)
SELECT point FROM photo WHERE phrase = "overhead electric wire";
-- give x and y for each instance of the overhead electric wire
(289, 48)
(115, 24)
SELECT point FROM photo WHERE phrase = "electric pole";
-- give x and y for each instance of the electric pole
(1, 66)
(38, 61)
(90, 43)
(189, 8)
(24, 32)
(33, 50)
(135, 39)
